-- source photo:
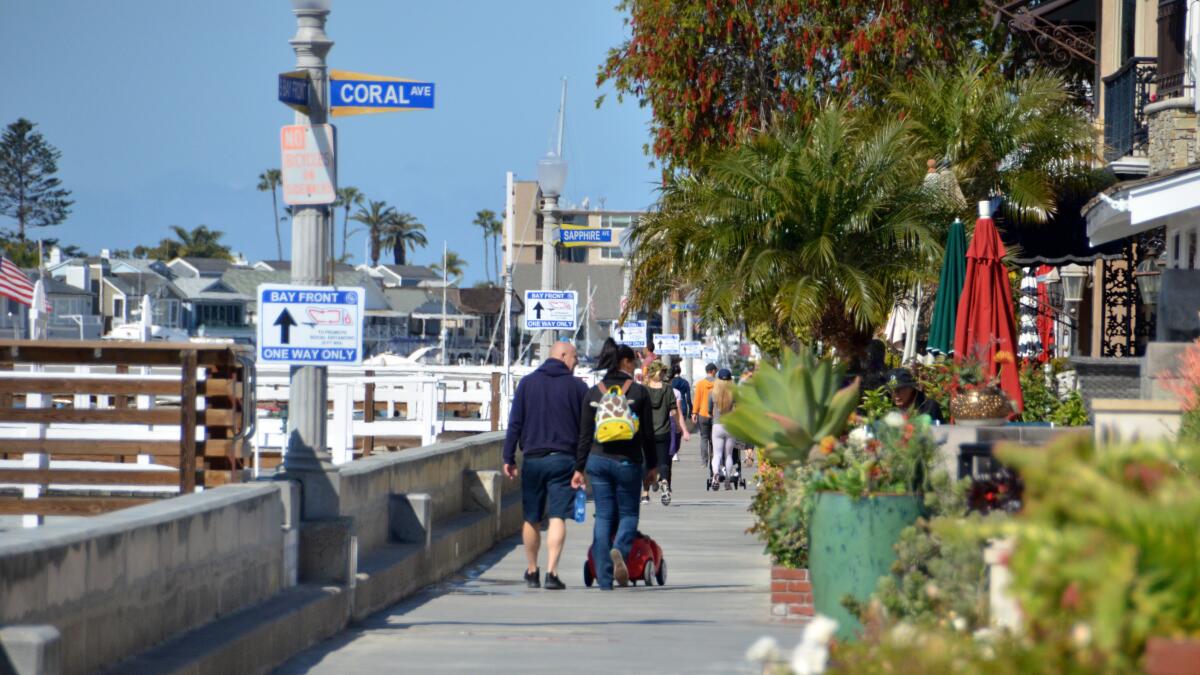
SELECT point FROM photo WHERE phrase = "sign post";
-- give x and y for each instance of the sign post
(551, 310)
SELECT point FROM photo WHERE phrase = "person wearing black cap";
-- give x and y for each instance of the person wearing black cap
(907, 395)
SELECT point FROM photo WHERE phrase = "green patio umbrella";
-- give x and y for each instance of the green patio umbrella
(950, 286)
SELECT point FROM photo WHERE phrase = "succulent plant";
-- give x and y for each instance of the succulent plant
(786, 408)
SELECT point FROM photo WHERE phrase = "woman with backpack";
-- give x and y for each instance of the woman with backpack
(724, 445)
(616, 451)
(664, 406)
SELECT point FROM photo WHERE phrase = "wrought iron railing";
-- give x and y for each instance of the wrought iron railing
(1126, 93)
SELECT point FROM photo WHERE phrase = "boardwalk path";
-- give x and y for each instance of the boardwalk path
(715, 604)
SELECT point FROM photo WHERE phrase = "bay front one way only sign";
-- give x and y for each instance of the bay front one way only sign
(310, 325)
(551, 310)
(632, 333)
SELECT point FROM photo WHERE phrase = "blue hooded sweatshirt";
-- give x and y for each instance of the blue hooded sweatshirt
(545, 412)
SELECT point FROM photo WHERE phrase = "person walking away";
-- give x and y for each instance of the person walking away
(666, 418)
(720, 402)
(908, 397)
(616, 450)
(544, 420)
(700, 415)
(683, 398)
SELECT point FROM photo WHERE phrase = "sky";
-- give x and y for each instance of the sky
(165, 111)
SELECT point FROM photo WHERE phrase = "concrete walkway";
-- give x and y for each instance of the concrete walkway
(715, 604)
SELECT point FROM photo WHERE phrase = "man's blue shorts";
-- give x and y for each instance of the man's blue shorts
(546, 487)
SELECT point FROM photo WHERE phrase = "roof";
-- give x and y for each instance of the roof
(486, 300)
(58, 287)
(204, 266)
(412, 271)
(1135, 206)
(246, 280)
(200, 289)
(144, 283)
(286, 266)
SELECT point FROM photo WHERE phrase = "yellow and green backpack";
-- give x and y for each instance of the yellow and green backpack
(615, 419)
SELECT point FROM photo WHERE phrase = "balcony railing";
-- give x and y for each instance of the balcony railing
(1172, 30)
(1126, 93)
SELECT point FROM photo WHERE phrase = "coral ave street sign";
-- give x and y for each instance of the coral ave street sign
(551, 310)
(360, 94)
(310, 325)
(309, 167)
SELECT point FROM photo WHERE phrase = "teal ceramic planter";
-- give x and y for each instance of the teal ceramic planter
(851, 545)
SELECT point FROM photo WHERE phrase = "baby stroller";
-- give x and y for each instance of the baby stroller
(736, 480)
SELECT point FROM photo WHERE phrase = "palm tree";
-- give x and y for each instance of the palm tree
(807, 231)
(199, 242)
(497, 232)
(1020, 138)
(486, 220)
(347, 197)
(455, 266)
(402, 234)
(270, 180)
(375, 215)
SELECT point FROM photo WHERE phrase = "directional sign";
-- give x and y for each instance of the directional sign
(551, 310)
(294, 88)
(685, 307)
(632, 333)
(309, 168)
(666, 343)
(692, 349)
(361, 94)
(579, 235)
(711, 354)
(310, 325)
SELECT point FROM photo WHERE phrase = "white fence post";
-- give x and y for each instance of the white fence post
(341, 427)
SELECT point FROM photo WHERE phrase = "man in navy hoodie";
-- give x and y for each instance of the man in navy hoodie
(545, 420)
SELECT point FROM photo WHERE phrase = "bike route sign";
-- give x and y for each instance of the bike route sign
(551, 310)
(632, 333)
(310, 325)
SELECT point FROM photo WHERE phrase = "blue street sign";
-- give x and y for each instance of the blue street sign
(583, 236)
(310, 325)
(294, 88)
(360, 93)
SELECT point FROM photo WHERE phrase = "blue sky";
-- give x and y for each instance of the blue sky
(165, 110)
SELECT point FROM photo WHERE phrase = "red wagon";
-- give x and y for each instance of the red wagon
(645, 562)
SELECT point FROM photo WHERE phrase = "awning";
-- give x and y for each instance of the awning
(1133, 207)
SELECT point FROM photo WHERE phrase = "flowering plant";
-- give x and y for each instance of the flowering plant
(971, 374)
(891, 456)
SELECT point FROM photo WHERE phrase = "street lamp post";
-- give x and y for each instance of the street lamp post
(1074, 277)
(306, 457)
(552, 175)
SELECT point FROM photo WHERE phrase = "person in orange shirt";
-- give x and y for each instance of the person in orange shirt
(700, 414)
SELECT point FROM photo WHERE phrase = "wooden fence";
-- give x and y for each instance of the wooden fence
(88, 427)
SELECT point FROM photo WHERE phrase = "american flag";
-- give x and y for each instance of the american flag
(14, 284)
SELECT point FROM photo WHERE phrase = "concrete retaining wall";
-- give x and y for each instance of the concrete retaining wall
(206, 583)
(119, 583)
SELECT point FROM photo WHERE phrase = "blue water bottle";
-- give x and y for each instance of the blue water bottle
(580, 505)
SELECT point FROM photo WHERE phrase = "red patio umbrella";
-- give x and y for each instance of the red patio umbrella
(985, 323)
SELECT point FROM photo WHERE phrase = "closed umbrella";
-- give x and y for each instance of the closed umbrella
(985, 323)
(950, 286)
(1029, 342)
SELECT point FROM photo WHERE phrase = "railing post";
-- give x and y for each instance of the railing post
(187, 423)
(494, 411)
(368, 441)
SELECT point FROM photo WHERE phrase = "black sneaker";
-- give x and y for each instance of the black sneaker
(531, 578)
(645, 497)
(620, 571)
(553, 583)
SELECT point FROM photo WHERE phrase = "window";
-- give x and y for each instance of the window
(1128, 28)
(575, 254)
(219, 315)
(537, 254)
(118, 308)
(612, 253)
(1172, 29)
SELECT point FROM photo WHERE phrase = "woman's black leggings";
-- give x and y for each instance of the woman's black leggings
(662, 446)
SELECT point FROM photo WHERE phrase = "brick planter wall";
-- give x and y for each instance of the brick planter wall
(791, 594)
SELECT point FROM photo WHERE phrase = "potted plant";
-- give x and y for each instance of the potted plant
(977, 398)
(865, 490)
